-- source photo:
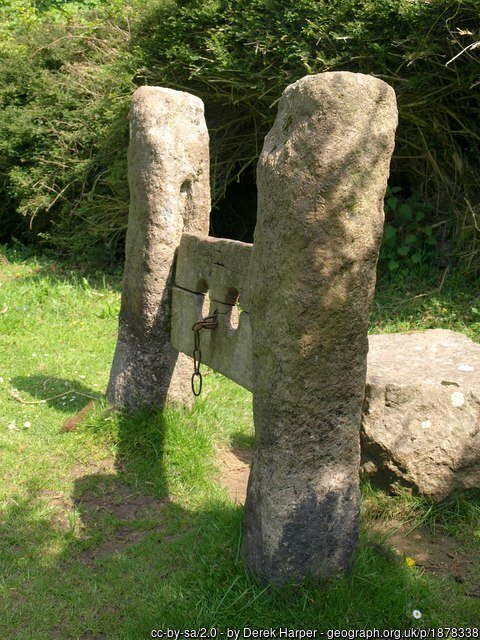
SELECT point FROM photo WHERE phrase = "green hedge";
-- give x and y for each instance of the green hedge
(64, 105)
(65, 86)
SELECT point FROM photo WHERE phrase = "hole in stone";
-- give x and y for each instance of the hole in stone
(205, 305)
(232, 296)
(186, 186)
(233, 318)
(234, 314)
(202, 286)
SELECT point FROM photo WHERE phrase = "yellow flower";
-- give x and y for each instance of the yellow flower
(410, 562)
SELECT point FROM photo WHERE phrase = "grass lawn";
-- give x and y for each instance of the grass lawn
(122, 526)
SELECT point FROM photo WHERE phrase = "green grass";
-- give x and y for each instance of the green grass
(425, 299)
(119, 527)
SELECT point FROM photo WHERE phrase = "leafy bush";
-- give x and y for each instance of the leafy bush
(408, 240)
(64, 94)
(67, 75)
(238, 56)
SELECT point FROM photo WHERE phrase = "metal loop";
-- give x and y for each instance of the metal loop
(197, 360)
(196, 374)
(210, 322)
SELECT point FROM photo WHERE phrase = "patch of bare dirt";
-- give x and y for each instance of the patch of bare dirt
(440, 554)
(234, 470)
(15, 548)
(62, 518)
(56, 498)
(108, 466)
(104, 497)
(120, 501)
(118, 543)
(62, 632)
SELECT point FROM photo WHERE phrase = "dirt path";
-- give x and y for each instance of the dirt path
(234, 469)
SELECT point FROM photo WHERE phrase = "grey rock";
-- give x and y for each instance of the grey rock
(322, 176)
(220, 267)
(168, 173)
(421, 416)
(216, 265)
(228, 348)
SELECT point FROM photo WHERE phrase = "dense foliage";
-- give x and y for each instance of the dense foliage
(66, 77)
(64, 92)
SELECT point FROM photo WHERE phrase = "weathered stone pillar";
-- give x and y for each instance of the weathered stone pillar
(168, 174)
(322, 177)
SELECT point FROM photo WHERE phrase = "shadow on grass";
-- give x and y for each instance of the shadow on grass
(125, 553)
(242, 444)
(65, 395)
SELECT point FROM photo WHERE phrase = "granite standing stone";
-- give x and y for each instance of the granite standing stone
(168, 173)
(322, 177)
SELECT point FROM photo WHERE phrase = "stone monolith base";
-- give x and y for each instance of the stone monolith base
(322, 177)
(168, 174)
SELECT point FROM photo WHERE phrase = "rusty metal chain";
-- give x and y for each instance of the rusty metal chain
(210, 322)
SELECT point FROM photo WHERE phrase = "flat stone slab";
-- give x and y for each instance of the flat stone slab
(421, 415)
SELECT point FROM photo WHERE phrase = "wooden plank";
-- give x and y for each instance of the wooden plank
(216, 265)
(225, 349)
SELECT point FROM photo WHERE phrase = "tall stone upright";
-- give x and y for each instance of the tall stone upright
(168, 175)
(321, 177)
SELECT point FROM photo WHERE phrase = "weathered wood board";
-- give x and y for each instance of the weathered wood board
(224, 349)
(219, 268)
(216, 265)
